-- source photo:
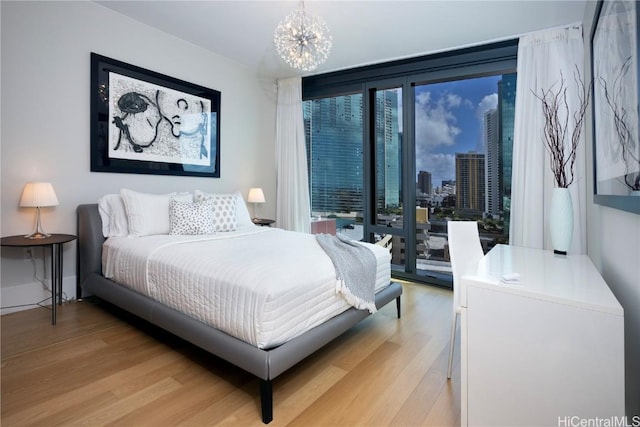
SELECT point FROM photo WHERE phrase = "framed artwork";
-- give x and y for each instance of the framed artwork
(616, 134)
(146, 122)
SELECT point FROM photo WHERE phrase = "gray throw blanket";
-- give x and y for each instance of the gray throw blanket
(355, 267)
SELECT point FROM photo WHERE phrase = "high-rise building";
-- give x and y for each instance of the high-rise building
(470, 182)
(334, 136)
(424, 182)
(387, 149)
(492, 162)
(506, 111)
(333, 128)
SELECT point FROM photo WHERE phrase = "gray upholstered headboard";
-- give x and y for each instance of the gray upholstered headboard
(90, 240)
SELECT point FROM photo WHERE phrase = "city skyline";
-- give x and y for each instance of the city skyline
(449, 120)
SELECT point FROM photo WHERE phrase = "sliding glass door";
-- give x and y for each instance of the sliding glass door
(387, 169)
(463, 143)
(394, 158)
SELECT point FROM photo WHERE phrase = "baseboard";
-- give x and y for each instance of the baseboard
(26, 296)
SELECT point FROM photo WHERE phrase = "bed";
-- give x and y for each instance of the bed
(265, 357)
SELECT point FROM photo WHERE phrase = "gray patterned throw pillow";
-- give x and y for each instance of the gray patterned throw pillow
(224, 212)
(191, 218)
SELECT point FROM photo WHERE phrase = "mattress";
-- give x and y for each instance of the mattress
(262, 285)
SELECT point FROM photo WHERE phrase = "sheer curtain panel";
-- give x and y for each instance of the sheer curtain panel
(292, 199)
(542, 57)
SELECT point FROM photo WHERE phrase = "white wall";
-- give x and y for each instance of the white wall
(45, 121)
(613, 242)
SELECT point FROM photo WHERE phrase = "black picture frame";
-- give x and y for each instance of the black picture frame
(615, 69)
(144, 122)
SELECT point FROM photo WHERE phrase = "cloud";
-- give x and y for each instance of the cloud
(489, 102)
(423, 98)
(453, 100)
(441, 166)
(435, 121)
(437, 126)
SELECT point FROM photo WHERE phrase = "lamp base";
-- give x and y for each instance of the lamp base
(37, 235)
(38, 232)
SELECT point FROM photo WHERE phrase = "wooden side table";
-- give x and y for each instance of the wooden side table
(55, 242)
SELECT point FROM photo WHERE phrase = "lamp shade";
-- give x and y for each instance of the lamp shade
(255, 195)
(38, 194)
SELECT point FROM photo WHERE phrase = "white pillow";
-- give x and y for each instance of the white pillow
(149, 213)
(242, 213)
(113, 215)
(243, 219)
(191, 218)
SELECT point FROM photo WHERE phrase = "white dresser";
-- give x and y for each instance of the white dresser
(543, 351)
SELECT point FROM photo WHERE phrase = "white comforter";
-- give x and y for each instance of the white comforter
(264, 286)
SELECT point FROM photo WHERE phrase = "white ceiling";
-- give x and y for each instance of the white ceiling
(363, 31)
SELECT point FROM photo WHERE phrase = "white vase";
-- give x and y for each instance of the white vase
(561, 220)
(634, 193)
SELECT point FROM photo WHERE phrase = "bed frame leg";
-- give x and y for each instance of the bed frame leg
(266, 400)
(398, 307)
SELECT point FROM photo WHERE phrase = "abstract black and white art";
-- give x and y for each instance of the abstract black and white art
(145, 122)
(616, 148)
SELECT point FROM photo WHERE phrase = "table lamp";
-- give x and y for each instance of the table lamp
(255, 196)
(37, 195)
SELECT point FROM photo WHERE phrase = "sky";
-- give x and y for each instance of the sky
(449, 120)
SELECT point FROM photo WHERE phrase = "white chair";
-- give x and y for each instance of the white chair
(465, 252)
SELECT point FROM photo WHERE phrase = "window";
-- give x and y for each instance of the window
(433, 134)
(463, 146)
(334, 134)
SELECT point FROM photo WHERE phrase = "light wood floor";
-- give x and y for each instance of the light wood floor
(99, 366)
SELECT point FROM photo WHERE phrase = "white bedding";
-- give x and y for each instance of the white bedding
(262, 285)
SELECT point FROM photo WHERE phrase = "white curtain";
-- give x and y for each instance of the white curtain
(292, 198)
(542, 56)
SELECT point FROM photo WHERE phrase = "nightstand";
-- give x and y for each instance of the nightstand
(263, 222)
(55, 242)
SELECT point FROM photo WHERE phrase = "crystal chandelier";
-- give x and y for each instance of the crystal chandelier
(303, 41)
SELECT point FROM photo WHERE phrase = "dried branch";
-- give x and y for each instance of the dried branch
(555, 108)
(625, 136)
